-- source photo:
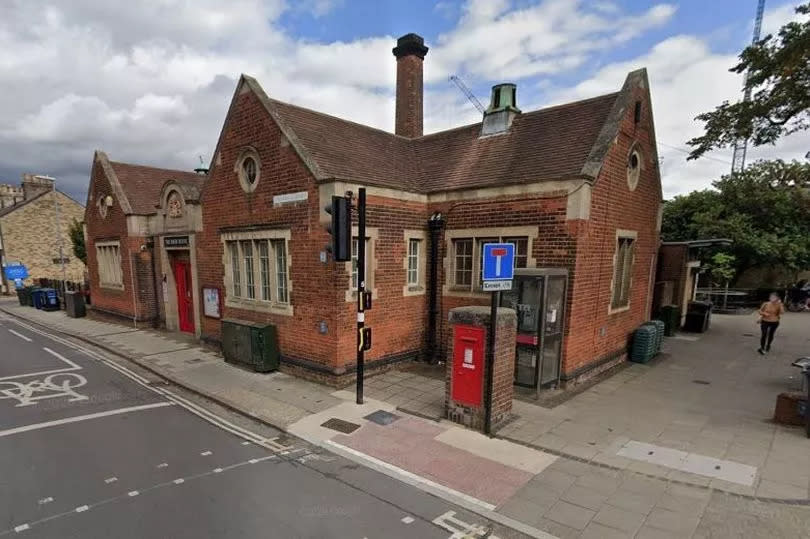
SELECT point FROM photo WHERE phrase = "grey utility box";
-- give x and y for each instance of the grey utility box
(74, 304)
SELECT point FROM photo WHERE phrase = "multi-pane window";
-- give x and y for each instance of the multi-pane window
(247, 255)
(281, 270)
(467, 261)
(264, 269)
(413, 262)
(108, 255)
(355, 245)
(270, 272)
(622, 272)
(463, 261)
(233, 250)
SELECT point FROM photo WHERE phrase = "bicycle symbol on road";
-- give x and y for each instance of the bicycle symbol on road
(53, 386)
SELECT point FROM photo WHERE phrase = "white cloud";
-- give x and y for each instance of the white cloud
(150, 81)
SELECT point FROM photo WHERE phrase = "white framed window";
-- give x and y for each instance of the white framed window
(257, 270)
(467, 260)
(414, 246)
(371, 263)
(414, 262)
(623, 260)
(108, 259)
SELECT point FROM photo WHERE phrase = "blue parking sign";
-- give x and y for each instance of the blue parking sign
(17, 271)
(499, 261)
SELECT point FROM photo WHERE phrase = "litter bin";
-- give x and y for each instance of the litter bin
(698, 315)
(50, 300)
(804, 408)
(74, 304)
(38, 295)
(671, 316)
(21, 296)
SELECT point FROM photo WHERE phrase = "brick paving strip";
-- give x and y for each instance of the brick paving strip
(569, 496)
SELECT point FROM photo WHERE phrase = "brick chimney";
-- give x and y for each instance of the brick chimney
(34, 184)
(410, 52)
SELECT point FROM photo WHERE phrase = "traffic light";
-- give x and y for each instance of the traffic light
(340, 228)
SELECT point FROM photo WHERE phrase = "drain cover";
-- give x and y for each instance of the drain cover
(340, 425)
(701, 382)
(381, 417)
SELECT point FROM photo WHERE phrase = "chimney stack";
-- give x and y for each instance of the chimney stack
(410, 53)
(34, 184)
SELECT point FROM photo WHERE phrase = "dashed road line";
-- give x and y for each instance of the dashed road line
(20, 335)
(22, 528)
(132, 493)
(245, 443)
(179, 481)
(43, 501)
(111, 480)
(407, 520)
(205, 453)
(217, 470)
(163, 465)
(82, 508)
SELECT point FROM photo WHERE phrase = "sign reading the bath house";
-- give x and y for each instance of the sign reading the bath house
(175, 241)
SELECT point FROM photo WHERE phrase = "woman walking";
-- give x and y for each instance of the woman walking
(769, 315)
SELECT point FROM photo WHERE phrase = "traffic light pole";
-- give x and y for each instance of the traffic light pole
(361, 289)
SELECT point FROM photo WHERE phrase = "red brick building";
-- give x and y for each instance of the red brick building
(575, 187)
(140, 225)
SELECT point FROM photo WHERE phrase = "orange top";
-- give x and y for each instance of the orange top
(771, 311)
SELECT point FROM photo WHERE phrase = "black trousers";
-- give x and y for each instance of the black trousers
(768, 329)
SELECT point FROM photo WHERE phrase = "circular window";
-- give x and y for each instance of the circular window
(633, 169)
(102, 206)
(249, 170)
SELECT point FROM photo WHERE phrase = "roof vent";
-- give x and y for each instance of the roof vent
(501, 111)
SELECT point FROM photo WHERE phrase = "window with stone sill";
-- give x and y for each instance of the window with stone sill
(622, 272)
(258, 270)
(467, 261)
(108, 260)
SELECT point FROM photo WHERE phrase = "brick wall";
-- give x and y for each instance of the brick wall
(31, 235)
(409, 107)
(314, 293)
(113, 227)
(599, 335)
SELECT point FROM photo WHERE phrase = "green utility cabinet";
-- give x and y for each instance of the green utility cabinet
(251, 344)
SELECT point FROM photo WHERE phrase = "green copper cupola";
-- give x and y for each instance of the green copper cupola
(502, 109)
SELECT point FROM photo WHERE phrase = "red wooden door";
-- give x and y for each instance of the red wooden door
(185, 307)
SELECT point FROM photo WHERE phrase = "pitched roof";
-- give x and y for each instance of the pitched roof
(560, 142)
(8, 209)
(142, 185)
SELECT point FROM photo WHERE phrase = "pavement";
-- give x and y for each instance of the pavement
(674, 448)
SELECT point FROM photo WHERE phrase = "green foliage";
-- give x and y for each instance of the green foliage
(764, 210)
(721, 268)
(76, 232)
(778, 76)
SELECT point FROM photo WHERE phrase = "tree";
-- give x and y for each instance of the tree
(76, 232)
(721, 269)
(778, 75)
(764, 210)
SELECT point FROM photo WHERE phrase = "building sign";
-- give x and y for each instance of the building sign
(64, 259)
(289, 198)
(17, 271)
(175, 242)
(211, 303)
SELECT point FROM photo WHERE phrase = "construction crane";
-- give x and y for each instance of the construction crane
(466, 91)
(741, 146)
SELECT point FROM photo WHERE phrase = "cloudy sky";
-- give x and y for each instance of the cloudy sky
(150, 81)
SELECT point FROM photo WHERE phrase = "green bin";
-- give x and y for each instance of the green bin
(251, 344)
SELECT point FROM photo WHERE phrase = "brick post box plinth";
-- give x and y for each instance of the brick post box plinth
(465, 391)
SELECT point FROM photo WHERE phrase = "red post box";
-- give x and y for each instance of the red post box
(468, 365)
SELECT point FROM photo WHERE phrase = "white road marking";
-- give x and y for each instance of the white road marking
(20, 335)
(73, 366)
(60, 357)
(75, 419)
(43, 501)
(162, 465)
(461, 529)
(22, 528)
(408, 520)
(132, 493)
(81, 508)
(217, 470)
(253, 461)
(245, 443)
(205, 453)
(111, 480)
(179, 481)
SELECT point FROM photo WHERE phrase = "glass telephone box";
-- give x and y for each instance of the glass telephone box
(538, 296)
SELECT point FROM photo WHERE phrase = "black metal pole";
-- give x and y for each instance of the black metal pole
(361, 287)
(493, 323)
